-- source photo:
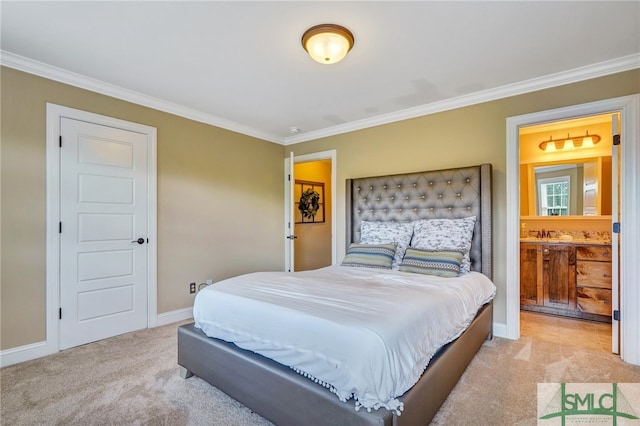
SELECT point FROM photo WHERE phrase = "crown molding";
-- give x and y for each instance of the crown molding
(575, 75)
(50, 72)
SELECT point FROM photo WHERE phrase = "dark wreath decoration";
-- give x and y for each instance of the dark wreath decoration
(309, 203)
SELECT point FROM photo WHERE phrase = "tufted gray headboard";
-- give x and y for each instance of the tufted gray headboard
(452, 194)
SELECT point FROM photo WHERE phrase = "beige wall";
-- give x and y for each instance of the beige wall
(461, 137)
(313, 245)
(211, 180)
(220, 201)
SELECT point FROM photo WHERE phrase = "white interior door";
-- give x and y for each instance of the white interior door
(104, 232)
(615, 238)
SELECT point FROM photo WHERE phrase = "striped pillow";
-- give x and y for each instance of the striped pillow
(440, 263)
(370, 255)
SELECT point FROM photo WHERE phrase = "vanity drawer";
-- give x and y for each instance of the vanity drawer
(593, 274)
(598, 253)
(594, 300)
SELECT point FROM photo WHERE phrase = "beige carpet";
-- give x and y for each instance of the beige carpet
(133, 380)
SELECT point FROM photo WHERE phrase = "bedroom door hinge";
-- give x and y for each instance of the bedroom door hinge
(59, 313)
(60, 141)
(616, 315)
(616, 227)
(59, 227)
(616, 140)
(289, 178)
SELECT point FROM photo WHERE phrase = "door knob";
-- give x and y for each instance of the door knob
(139, 241)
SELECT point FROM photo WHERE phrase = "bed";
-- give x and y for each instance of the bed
(285, 396)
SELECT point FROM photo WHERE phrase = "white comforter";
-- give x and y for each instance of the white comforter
(363, 333)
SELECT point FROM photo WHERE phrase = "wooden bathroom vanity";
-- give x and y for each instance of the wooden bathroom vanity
(569, 279)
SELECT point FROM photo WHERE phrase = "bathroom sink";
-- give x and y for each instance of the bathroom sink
(530, 239)
(545, 240)
(564, 240)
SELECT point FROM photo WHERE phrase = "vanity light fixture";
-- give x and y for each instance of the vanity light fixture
(327, 43)
(569, 143)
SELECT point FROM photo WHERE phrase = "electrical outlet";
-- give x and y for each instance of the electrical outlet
(192, 288)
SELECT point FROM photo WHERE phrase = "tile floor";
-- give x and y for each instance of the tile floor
(569, 331)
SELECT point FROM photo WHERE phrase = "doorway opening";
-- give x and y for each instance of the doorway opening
(628, 270)
(566, 182)
(310, 240)
(312, 214)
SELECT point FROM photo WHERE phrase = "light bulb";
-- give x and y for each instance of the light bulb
(587, 142)
(568, 144)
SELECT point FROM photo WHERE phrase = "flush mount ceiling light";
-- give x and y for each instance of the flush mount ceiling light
(565, 144)
(327, 43)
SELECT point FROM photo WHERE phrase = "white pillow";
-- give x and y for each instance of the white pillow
(445, 234)
(385, 233)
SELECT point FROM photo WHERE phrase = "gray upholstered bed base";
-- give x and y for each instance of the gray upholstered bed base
(286, 398)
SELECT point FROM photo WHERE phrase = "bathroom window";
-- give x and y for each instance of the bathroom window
(554, 196)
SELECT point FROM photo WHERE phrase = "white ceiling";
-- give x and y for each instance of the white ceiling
(240, 65)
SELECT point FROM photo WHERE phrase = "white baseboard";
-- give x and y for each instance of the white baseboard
(40, 349)
(174, 316)
(24, 353)
(500, 330)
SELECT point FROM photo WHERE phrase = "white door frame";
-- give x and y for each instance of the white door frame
(629, 108)
(54, 114)
(316, 156)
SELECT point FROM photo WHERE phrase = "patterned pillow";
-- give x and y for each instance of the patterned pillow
(388, 232)
(370, 255)
(445, 234)
(440, 263)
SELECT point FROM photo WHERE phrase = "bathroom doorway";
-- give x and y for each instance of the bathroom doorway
(567, 181)
(627, 267)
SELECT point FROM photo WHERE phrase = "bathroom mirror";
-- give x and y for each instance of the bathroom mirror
(578, 188)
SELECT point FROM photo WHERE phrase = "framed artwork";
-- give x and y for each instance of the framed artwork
(309, 201)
